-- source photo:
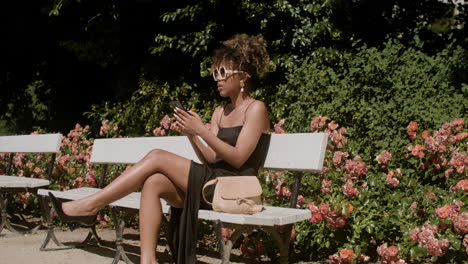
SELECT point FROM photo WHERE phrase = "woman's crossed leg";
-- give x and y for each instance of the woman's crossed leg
(161, 174)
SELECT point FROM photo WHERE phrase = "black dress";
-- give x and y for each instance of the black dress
(183, 223)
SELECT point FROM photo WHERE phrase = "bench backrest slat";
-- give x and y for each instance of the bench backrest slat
(44, 143)
(297, 152)
(131, 150)
(301, 152)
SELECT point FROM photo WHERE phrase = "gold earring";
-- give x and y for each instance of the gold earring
(242, 86)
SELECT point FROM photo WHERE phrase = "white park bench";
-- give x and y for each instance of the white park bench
(292, 152)
(45, 143)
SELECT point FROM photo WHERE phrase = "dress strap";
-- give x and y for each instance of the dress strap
(221, 116)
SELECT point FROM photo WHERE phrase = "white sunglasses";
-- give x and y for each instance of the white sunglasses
(220, 74)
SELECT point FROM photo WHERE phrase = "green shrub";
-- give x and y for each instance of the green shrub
(374, 93)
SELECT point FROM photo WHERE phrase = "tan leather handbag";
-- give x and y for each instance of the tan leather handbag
(236, 194)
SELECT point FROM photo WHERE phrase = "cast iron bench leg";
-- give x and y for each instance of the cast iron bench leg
(91, 234)
(225, 247)
(119, 229)
(283, 239)
(49, 216)
(5, 222)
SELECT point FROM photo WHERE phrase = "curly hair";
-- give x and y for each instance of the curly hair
(246, 53)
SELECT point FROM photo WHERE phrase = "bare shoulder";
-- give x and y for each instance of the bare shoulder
(257, 108)
(257, 114)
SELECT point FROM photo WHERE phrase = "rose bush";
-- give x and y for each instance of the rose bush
(407, 212)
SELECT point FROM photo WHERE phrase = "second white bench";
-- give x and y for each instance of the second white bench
(11, 182)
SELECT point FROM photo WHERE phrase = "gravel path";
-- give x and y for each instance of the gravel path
(19, 249)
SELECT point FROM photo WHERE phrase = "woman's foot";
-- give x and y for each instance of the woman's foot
(86, 220)
(78, 208)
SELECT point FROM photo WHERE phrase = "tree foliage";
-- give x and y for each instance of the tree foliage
(103, 49)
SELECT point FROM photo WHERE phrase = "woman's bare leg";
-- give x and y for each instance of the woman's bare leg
(174, 167)
(155, 187)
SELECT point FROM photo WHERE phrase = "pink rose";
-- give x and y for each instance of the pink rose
(278, 129)
(384, 157)
(347, 255)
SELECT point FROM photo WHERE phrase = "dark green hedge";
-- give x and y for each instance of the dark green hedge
(374, 93)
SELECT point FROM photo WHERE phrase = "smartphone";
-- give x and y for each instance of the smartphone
(177, 104)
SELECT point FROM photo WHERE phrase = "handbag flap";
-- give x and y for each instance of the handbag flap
(239, 187)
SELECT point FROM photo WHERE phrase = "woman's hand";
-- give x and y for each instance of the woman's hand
(190, 123)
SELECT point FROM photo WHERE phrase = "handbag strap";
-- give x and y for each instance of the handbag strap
(212, 182)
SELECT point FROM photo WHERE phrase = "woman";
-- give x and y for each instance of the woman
(236, 145)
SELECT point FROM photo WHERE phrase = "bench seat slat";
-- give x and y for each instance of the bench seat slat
(69, 195)
(131, 201)
(7, 181)
(270, 216)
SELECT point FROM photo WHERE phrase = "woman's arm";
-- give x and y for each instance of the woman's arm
(256, 122)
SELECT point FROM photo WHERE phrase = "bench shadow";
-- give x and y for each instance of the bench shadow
(25, 224)
(108, 250)
(237, 258)
(164, 255)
